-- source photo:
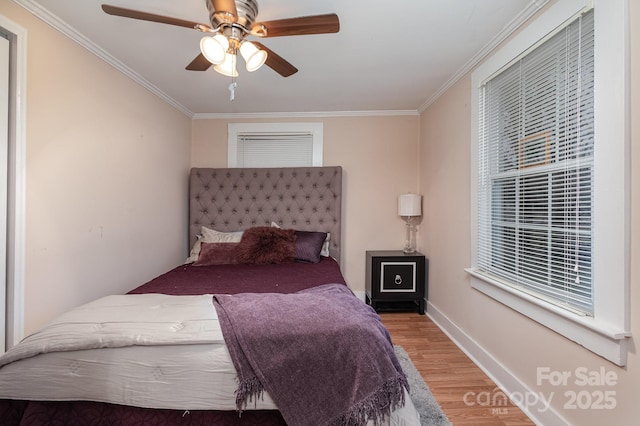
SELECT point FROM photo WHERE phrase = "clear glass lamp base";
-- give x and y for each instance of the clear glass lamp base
(408, 246)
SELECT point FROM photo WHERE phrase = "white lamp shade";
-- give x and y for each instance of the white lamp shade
(214, 48)
(409, 205)
(253, 56)
(228, 67)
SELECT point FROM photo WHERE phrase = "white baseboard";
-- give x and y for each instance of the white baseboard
(521, 395)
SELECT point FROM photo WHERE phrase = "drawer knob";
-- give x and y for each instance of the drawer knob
(398, 279)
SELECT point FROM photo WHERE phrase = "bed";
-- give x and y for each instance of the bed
(216, 340)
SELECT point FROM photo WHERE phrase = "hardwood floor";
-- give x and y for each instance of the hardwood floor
(465, 393)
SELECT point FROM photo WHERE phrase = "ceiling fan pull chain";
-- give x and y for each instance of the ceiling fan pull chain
(234, 84)
(232, 90)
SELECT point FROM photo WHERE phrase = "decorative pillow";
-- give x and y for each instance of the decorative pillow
(195, 250)
(264, 244)
(325, 246)
(217, 254)
(211, 236)
(309, 245)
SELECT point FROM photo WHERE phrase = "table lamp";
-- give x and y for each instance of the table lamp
(409, 206)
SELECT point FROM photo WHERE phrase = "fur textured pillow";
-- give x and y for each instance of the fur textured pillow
(264, 244)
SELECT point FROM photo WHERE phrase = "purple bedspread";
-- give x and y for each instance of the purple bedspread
(232, 279)
(322, 354)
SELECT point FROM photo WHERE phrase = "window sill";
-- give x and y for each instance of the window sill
(603, 339)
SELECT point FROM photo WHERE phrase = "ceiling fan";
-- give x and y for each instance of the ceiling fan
(231, 23)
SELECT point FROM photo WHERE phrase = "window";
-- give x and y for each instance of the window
(536, 170)
(551, 177)
(275, 144)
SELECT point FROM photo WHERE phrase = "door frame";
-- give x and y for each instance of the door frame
(16, 200)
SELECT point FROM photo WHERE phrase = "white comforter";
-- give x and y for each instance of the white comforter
(147, 350)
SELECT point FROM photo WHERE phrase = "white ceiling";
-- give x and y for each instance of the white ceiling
(388, 56)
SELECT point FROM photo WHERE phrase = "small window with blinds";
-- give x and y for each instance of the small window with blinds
(535, 169)
(275, 144)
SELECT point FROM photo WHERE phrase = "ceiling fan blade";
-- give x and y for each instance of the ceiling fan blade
(225, 10)
(200, 63)
(316, 24)
(276, 62)
(144, 16)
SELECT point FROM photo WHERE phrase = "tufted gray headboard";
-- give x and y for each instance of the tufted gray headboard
(234, 199)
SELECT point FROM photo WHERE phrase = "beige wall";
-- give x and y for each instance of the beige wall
(106, 174)
(512, 340)
(379, 160)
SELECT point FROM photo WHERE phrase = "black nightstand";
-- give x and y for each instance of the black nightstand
(397, 281)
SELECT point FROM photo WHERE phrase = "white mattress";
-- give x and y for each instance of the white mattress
(141, 373)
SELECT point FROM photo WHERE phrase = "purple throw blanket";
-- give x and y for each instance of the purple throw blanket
(322, 354)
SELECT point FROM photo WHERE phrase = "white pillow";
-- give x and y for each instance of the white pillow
(211, 236)
(325, 246)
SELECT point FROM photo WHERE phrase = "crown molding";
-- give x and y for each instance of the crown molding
(531, 9)
(312, 114)
(83, 41)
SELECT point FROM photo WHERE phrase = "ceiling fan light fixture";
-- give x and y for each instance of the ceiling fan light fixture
(214, 48)
(253, 56)
(228, 66)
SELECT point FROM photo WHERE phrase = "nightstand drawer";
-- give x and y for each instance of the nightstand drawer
(397, 277)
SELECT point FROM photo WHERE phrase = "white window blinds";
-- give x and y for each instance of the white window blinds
(536, 175)
(275, 149)
(275, 144)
